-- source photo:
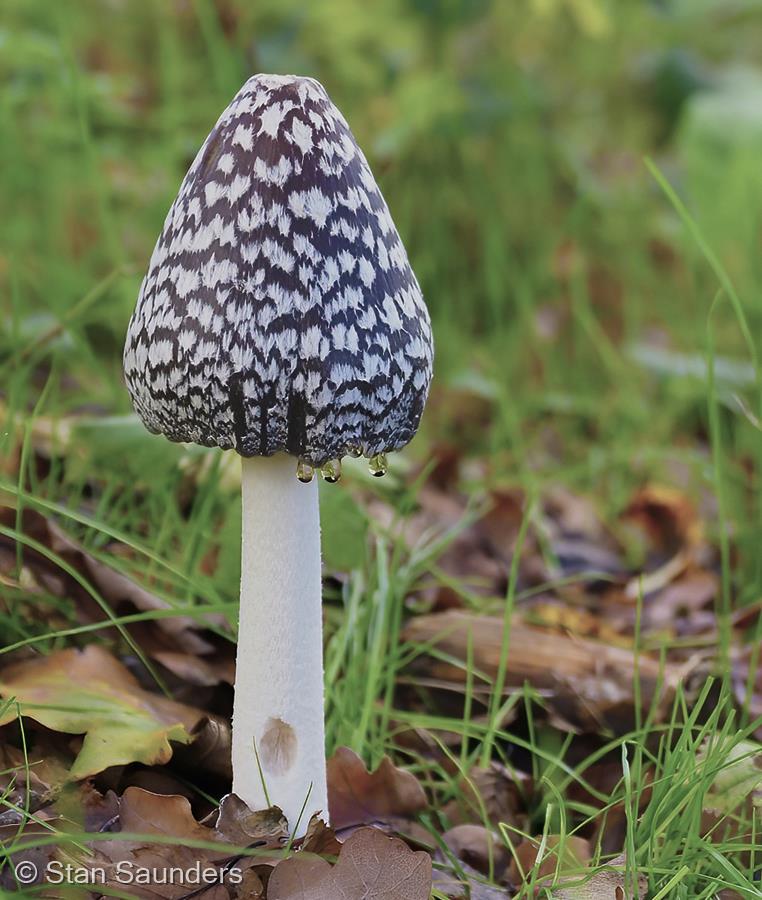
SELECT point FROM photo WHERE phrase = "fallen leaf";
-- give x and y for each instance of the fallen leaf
(239, 825)
(356, 796)
(576, 557)
(371, 866)
(36, 858)
(579, 543)
(574, 516)
(571, 853)
(251, 887)
(112, 862)
(97, 812)
(320, 839)
(467, 884)
(29, 778)
(497, 791)
(477, 847)
(155, 779)
(585, 683)
(679, 600)
(464, 558)
(210, 747)
(667, 516)
(604, 884)
(143, 812)
(189, 667)
(89, 692)
(170, 818)
(177, 641)
(296, 878)
(574, 619)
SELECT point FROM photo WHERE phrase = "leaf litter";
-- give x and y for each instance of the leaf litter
(596, 612)
(90, 693)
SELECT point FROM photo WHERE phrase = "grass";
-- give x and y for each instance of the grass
(510, 142)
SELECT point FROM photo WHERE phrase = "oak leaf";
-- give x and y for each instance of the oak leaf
(371, 866)
(357, 797)
(90, 692)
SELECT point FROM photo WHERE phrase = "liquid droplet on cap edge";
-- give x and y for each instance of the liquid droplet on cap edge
(378, 465)
(331, 471)
(305, 472)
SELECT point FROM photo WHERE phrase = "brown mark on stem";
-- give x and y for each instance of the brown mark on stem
(277, 749)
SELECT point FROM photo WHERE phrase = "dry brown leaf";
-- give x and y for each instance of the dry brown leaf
(178, 642)
(204, 671)
(320, 839)
(569, 853)
(38, 857)
(357, 797)
(659, 578)
(143, 812)
(251, 887)
(468, 557)
(30, 779)
(547, 611)
(239, 825)
(497, 791)
(579, 542)
(574, 515)
(604, 885)
(210, 750)
(467, 884)
(374, 865)
(501, 522)
(296, 878)
(113, 862)
(680, 600)
(371, 866)
(156, 779)
(97, 812)
(477, 847)
(668, 517)
(586, 683)
(479, 555)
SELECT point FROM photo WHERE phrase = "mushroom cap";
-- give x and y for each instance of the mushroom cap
(279, 311)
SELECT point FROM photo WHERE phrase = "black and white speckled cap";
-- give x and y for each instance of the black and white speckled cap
(279, 311)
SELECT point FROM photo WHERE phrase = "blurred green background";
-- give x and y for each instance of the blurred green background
(571, 303)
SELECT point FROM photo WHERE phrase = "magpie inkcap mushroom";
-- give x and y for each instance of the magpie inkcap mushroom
(280, 318)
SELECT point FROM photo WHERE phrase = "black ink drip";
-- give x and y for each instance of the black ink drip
(235, 391)
(296, 437)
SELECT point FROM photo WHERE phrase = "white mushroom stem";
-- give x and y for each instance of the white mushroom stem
(278, 706)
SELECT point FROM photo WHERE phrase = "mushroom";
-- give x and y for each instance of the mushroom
(280, 318)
